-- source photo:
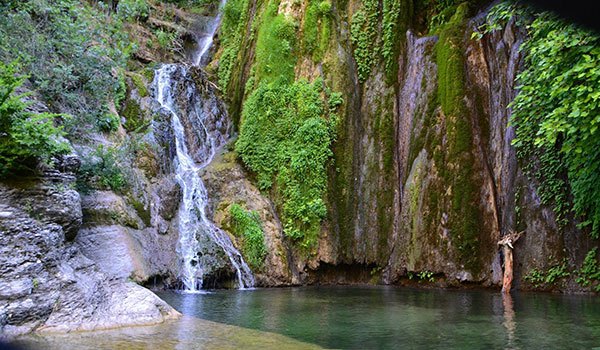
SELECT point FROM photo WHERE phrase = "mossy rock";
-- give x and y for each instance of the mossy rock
(147, 161)
(135, 118)
(139, 82)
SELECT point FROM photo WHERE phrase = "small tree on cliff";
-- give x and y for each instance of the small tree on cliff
(26, 138)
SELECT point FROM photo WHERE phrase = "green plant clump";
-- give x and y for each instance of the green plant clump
(589, 273)
(133, 9)
(556, 117)
(101, 169)
(363, 34)
(285, 139)
(108, 123)
(247, 226)
(275, 48)
(554, 274)
(393, 28)
(26, 138)
(317, 22)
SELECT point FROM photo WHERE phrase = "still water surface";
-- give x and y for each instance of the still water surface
(391, 318)
(355, 318)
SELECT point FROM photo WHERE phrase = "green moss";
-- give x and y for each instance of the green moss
(285, 139)
(148, 73)
(134, 117)
(235, 15)
(310, 28)
(142, 211)
(449, 58)
(275, 47)
(246, 225)
(139, 83)
(465, 218)
(363, 34)
(316, 29)
(384, 134)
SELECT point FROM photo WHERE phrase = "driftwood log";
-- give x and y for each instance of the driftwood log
(506, 243)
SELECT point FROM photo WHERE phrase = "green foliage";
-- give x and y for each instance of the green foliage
(101, 169)
(285, 139)
(465, 217)
(555, 115)
(247, 226)
(589, 273)
(275, 47)
(71, 51)
(363, 34)
(499, 15)
(392, 34)
(108, 123)
(25, 138)
(133, 10)
(554, 274)
(317, 22)
(235, 15)
(425, 275)
(165, 38)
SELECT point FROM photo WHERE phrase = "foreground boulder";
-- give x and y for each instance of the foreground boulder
(46, 283)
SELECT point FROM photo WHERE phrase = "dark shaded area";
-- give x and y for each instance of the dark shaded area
(329, 274)
(582, 12)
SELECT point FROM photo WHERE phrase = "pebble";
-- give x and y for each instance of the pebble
(5, 214)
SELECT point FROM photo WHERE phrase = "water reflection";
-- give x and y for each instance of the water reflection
(509, 319)
(389, 318)
(359, 318)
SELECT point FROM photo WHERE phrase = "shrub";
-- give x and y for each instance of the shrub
(26, 138)
(108, 123)
(101, 170)
(133, 9)
(72, 52)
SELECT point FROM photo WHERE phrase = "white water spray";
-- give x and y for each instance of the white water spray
(205, 42)
(193, 220)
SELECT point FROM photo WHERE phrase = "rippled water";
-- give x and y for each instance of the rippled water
(389, 317)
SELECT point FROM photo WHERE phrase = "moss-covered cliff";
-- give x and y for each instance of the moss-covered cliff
(422, 175)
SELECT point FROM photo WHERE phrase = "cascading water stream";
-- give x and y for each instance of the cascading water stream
(193, 220)
(206, 41)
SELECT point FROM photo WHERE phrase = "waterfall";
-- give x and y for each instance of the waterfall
(205, 41)
(192, 217)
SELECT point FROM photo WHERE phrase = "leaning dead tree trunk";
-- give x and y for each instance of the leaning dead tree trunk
(506, 243)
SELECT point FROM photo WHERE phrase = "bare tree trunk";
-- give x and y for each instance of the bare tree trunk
(508, 269)
(507, 248)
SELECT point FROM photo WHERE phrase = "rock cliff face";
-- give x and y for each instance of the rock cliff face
(46, 283)
(424, 177)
